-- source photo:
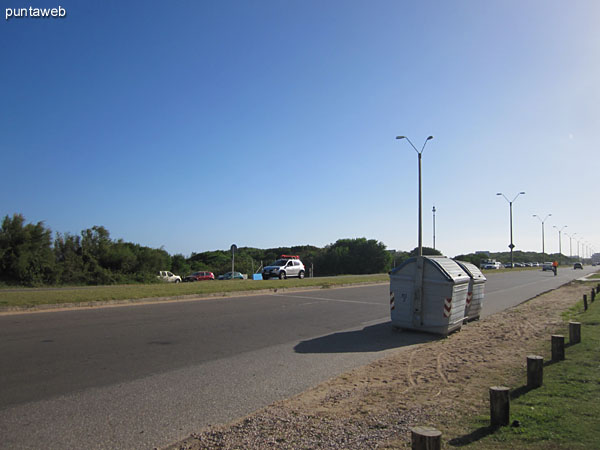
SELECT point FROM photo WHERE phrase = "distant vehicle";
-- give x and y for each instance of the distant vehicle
(200, 276)
(509, 265)
(231, 276)
(528, 264)
(490, 264)
(535, 264)
(519, 264)
(547, 266)
(577, 265)
(169, 277)
(286, 266)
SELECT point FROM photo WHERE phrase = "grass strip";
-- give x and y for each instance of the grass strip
(563, 413)
(28, 298)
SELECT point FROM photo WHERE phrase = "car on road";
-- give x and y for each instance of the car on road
(488, 264)
(577, 265)
(547, 266)
(169, 277)
(200, 276)
(231, 276)
(286, 266)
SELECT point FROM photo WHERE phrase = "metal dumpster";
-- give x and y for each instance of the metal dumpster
(476, 291)
(428, 293)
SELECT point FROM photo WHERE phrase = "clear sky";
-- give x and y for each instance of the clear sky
(197, 124)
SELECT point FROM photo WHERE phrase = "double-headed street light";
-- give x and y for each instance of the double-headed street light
(419, 153)
(559, 238)
(570, 245)
(543, 221)
(511, 246)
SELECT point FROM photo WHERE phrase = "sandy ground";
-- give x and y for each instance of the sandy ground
(439, 384)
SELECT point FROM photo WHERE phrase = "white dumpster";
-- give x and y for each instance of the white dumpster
(476, 291)
(428, 293)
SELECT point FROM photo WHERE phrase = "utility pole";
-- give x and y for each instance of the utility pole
(433, 210)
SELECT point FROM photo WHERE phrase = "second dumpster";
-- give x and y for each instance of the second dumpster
(476, 291)
(428, 293)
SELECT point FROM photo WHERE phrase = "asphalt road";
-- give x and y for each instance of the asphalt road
(145, 376)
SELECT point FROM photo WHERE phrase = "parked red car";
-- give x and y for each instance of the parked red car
(199, 276)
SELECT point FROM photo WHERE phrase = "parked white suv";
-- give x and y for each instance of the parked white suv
(165, 275)
(286, 266)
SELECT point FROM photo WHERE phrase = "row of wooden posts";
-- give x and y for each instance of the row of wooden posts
(429, 438)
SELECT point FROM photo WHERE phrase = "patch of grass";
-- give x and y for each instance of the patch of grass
(596, 275)
(27, 298)
(563, 413)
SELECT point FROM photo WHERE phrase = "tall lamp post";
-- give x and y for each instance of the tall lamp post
(510, 203)
(543, 221)
(433, 211)
(560, 238)
(419, 153)
(418, 298)
(570, 245)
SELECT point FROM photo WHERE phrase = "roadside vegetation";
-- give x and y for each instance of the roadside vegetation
(31, 256)
(32, 297)
(562, 414)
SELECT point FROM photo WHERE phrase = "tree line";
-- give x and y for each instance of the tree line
(30, 255)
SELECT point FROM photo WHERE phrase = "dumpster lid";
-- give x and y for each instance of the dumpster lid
(448, 267)
(472, 270)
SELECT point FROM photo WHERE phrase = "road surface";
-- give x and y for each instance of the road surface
(145, 376)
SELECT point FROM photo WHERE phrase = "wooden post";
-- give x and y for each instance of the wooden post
(574, 332)
(558, 347)
(535, 371)
(584, 302)
(426, 438)
(499, 405)
(593, 294)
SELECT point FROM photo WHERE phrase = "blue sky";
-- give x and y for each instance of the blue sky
(197, 124)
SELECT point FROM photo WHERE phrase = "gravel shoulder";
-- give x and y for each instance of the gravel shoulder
(439, 383)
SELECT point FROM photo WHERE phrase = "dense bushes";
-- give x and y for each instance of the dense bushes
(30, 257)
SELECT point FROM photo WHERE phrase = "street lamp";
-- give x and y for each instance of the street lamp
(433, 211)
(573, 236)
(570, 245)
(419, 153)
(559, 238)
(511, 246)
(543, 221)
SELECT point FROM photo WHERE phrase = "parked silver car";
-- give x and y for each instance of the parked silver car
(286, 266)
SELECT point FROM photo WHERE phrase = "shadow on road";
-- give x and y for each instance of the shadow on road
(370, 339)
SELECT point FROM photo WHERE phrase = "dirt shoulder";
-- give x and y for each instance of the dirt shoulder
(438, 383)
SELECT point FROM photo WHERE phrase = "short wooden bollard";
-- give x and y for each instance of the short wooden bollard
(499, 406)
(535, 371)
(426, 438)
(574, 332)
(558, 347)
(584, 302)
(593, 295)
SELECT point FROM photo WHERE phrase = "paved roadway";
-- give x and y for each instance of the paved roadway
(145, 376)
